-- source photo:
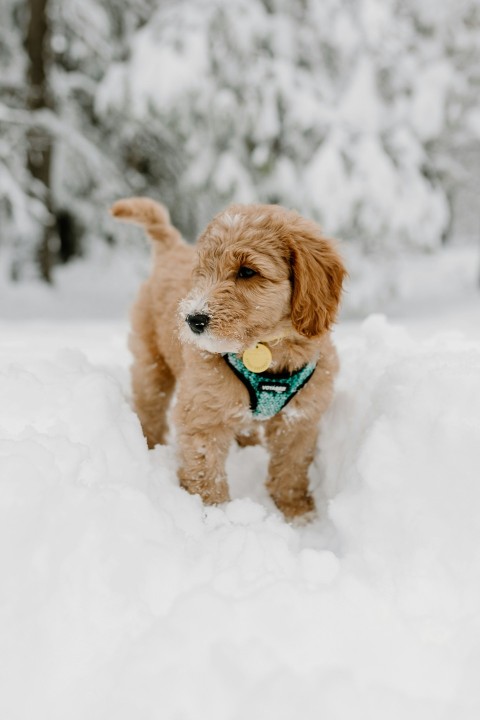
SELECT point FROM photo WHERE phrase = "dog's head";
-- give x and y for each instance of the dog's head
(262, 272)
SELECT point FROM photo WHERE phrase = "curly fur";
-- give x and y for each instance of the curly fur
(290, 304)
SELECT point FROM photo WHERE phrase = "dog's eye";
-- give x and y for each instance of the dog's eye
(246, 272)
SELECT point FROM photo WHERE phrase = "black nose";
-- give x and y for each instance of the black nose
(198, 323)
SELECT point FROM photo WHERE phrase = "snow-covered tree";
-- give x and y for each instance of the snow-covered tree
(58, 170)
(349, 111)
(336, 108)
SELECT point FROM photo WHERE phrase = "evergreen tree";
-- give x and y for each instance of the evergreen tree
(59, 170)
(340, 109)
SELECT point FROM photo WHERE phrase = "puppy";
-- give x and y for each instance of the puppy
(239, 325)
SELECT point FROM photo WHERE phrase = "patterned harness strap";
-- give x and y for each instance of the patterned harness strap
(269, 392)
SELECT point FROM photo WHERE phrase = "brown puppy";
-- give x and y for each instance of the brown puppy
(258, 274)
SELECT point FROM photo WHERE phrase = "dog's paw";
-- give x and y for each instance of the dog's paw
(213, 493)
(296, 506)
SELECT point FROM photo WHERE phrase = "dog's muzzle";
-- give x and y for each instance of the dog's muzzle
(197, 323)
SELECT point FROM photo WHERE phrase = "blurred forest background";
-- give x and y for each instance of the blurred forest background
(362, 114)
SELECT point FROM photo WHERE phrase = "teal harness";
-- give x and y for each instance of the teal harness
(269, 392)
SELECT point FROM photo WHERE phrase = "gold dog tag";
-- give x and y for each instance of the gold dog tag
(258, 358)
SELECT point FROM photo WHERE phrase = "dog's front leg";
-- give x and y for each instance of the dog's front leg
(202, 456)
(292, 447)
(203, 442)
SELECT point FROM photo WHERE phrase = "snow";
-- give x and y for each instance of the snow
(102, 288)
(160, 70)
(361, 107)
(123, 596)
(429, 102)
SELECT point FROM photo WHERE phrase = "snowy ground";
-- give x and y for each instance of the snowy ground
(123, 597)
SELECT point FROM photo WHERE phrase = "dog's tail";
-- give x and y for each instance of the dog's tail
(150, 215)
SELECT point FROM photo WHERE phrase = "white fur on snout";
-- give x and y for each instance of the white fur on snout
(196, 304)
(207, 341)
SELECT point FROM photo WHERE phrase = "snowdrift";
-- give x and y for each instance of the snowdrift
(123, 597)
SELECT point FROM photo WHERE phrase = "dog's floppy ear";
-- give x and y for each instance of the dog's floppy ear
(317, 276)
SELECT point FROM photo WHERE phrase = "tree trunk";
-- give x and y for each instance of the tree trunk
(39, 141)
(447, 233)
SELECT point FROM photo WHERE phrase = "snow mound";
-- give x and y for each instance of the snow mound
(122, 596)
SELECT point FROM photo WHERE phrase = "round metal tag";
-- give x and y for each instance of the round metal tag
(257, 359)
